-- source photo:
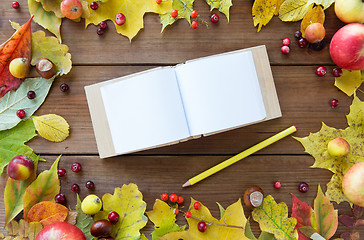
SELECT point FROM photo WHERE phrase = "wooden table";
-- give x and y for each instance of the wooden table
(304, 99)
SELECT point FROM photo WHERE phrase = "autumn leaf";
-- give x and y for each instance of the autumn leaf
(47, 212)
(222, 5)
(133, 10)
(349, 81)
(324, 3)
(128, 202)
(83, 221)
(52, 127)
(263, 235)
(263, 12)
(33, 229)
(315, 15)
(304, 214)
(12, 228)
(184, 8)
(19, 45)
(44, 188)
(52, 6)
(316, 145)
(273, 218)
(294, 10)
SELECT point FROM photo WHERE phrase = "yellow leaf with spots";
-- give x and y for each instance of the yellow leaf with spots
(52, 127)
(315, 15)
(349, 82)
(128, 202)
(294, 10)
(222, 5)
(279, 3)
(263, 12)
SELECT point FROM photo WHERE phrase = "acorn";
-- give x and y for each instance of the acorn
(253, 197)
(45, 68)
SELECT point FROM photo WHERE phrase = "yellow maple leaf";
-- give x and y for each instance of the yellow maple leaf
(263, 12)
(52, 127)
(315, 15)
(349, 82)
(133, 10)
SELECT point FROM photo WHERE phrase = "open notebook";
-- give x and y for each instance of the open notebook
(167, 105)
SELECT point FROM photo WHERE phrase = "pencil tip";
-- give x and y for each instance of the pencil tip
(186, 184)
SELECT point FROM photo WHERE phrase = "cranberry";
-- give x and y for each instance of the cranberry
(60, 198)
(285, 49)
(61, 172)
(113, 217)
(277, 184)
(286, 41)
(321, 71)
(94, 5)
(302, 42)
(215, 18)
(75, 188)
(31, 94)
(120, 19)
(64, 87)
(298, 34)
(100, 31)
(194, 24)
(303, 187)
(76, 167)
(165, 197)
(334, 103)
(90, 185)
(202, 227)
(15, 5)
(337, 72)
(20, 113)
(103, 24)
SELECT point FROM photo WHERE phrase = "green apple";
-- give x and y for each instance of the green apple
(338, 147)
(350, 11)
(353, 184)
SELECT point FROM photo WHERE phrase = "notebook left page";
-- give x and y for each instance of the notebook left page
(145, 111)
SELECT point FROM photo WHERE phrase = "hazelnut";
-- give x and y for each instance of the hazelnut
(45, 68)
(253, 197)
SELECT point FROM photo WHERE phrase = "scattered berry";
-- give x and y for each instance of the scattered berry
(174, 13)
(286, 41)
(64, 87)
(188, 214)
(103, 24)
(20, 113)
(302, 42)
(194, 14)
(277, 184)
(298, 34)
(321, 71)
(158, 1)
(334, 103)
(90, 185)
(337, 72)
(15, 5)
(303, 187)
(120, 19)
(197, 205)
(100, 31)
(61, 172)
(173, 197)
(60, 198)
(318, 46)
(31, 94)
(285, 49)
(94, 5)
(180, 199)
(165, 197)
(175, 211)
(194, 24)
(75, 188)
(113, 217)
(215, 18)
(202, 227)
(76, 167)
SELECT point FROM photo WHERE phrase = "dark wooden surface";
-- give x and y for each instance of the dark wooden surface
(304, 100)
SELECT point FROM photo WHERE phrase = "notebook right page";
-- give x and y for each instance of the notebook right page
(220, 92)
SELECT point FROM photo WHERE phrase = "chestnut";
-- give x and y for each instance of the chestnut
(45, 68)
(101, 228)
(253, 197)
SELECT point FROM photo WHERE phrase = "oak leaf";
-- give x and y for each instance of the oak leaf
(19, 45)
(52, 127)
(349, 81)
(294, 10)
(315, 15)
(47, 212)
(263, 12)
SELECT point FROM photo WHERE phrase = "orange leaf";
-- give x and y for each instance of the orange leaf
(315, 15)
(19, 45)
(47, 212)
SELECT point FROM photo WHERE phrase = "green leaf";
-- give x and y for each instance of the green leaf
(83, 221)
(324, 3)
(222, 209)
(273, 218)
(12, 142)
(248, 231)
(44, 188)
(48, 20)
(184, 8)
(15, 100)
(222, 5)
(52, 6)
(294, 10)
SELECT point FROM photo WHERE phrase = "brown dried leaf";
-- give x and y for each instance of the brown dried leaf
(34, 229)
(315, 15)
(12, 228)
(71, 218)
(47, 212)
(23, 228)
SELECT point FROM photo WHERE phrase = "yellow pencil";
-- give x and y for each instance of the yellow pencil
(240, 156)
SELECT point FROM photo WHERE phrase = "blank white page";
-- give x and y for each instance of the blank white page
(145, 110)
(220, 92)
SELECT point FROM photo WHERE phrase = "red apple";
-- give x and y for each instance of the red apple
(71, 9)
(338, 147)
(347, 47)
(20, 167)
(60, 231)
(353, 184)
(350, 11)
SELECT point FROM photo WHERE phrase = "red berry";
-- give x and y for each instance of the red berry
(120, 19)
(337, 72)
(60, 198)
(303, 187)
(31, 95)
(158, 1)
(286, 41)
(103, 24)
(15, 5)
(194, 24)
(298, 34)
(180, 199)
(285, 49)
(334, 103)
(197, 205)
(194, 14)
(90, 185)
(302, 42)
(94, 5)
(214, 18)
(100, 31)
(113, 217)
(20, 113)
(175, 211)
(277, 184)
(173, 197)
(188, 214)
(174, 13)
(76, 167)
(64, 87)
(75, 188)
(202, 227)
(61, 172)
(321, 71)
(164, 197)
